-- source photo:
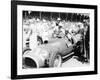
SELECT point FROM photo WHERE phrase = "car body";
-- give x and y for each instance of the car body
(46, 54)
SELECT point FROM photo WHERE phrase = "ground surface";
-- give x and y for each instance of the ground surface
(72, 62)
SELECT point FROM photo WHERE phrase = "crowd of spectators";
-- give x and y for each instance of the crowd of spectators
(36, 31)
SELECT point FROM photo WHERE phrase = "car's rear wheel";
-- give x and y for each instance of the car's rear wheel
(55, 60)
(81, 53)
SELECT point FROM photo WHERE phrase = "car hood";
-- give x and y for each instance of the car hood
(54, 45)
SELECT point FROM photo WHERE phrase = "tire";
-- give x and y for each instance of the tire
(80, 52)
(26, 49)
(55, 60)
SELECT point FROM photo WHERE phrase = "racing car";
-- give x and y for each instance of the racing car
(51, 54)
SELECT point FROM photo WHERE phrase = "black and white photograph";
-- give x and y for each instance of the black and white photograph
(53, 39)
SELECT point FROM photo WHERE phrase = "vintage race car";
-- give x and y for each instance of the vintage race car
(49, 54)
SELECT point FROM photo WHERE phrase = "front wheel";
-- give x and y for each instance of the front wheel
(26, 50)
(55, 60)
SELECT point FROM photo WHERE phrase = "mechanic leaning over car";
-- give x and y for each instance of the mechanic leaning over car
(73, 34)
